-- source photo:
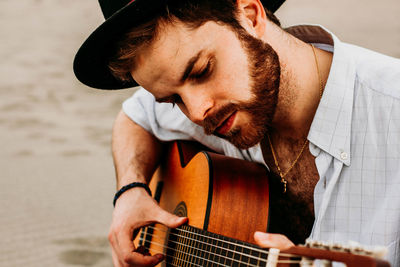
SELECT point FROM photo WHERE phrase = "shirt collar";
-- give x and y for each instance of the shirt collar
(331, 126)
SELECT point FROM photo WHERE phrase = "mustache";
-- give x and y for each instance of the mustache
(212, 121)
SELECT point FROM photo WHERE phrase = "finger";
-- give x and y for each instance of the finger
(170, 219)
(267, 240)
(115, 259)
(130, 255)
(143, 250)
(137, 259)
(125, 246)
(116, 252)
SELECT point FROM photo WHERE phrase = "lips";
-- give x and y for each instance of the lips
(226, 125)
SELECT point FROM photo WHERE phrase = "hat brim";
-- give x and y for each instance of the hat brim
(91, 61)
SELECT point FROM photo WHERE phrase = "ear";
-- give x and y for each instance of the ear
(252, 16)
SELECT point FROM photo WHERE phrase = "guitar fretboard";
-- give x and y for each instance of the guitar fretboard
(191, 246)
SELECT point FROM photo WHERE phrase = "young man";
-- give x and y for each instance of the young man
(323, 115)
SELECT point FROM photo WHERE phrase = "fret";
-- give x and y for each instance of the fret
(199, 246)
(185, 246)
(177, 247)
(196, 247)
(207, 250)
(217, 257)
(171, 253)
(245, 258)
(179, 255)
(229, 254)
(202, 250)
(255, 259)
(148, 236)
(210, 250)
(191, 244)
(236, 255)
(182, 246)
(224, 253)
(141, 238)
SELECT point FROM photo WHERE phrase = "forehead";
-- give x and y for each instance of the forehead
(165, 59)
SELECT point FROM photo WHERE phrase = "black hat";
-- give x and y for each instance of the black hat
(91, 60)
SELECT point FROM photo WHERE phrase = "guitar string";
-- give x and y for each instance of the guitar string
(213, 238)
(172, 249)
(224, 241)
(231, 259)
(226, 249)
(221, 256)
(221, 240)
(216, 246)
(233, 251)
(185, 247)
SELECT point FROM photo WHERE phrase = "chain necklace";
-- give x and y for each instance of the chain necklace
(281, 174)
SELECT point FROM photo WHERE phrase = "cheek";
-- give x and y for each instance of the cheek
(233, 80)
(236, 88)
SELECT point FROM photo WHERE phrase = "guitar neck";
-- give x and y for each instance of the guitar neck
(197, 247)
(191, 246)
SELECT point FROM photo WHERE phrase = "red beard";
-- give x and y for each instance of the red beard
(264, 69)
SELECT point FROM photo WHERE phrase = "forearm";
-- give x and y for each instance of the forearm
(136, 152)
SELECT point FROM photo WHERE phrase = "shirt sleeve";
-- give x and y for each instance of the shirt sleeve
(167, 122)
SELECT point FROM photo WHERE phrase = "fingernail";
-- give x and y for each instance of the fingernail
(183, 219)
(159, 257)
(260, 235)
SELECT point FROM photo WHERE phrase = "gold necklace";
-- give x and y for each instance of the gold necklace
(282, 175)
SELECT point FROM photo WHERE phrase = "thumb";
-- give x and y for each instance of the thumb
(267, 240)
(170, 220)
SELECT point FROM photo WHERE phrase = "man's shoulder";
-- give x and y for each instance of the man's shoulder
(376, 71)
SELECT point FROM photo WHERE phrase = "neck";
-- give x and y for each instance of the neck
(300, 89)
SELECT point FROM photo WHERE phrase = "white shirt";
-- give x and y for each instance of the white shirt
(354, 136)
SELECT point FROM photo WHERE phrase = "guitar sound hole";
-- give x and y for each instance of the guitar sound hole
(181, 209)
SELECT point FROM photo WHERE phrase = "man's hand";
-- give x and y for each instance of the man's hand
(135, 209)
(266, 240)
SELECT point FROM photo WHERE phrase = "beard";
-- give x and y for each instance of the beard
(264, 70)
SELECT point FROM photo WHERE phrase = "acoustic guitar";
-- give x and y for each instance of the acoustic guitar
(226, 201)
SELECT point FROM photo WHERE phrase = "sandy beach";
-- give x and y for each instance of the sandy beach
(56, 173)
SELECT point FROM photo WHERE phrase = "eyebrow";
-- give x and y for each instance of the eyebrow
(190, 65)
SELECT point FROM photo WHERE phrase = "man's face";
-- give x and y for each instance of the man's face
(227, 85)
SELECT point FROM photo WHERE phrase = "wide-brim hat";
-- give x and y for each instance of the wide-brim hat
(91, 60)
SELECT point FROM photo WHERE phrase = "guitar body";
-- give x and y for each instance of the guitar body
(226, 201)
(218, 194)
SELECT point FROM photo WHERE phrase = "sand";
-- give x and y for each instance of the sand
(56, 173)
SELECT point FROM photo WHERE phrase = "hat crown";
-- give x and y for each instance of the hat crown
(109, 7)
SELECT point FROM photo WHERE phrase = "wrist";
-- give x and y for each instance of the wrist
(129, 187)
(128, 179)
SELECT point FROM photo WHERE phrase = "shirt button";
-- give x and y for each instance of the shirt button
(343, 155)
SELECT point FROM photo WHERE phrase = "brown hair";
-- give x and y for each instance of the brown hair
(193, 13)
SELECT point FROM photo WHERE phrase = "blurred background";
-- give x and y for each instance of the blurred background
(56, 172)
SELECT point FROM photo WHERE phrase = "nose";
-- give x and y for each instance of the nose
(197, 105)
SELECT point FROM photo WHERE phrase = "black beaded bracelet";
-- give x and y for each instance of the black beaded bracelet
(129, 186)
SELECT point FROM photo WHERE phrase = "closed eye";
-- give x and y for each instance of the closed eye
(205, 72)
